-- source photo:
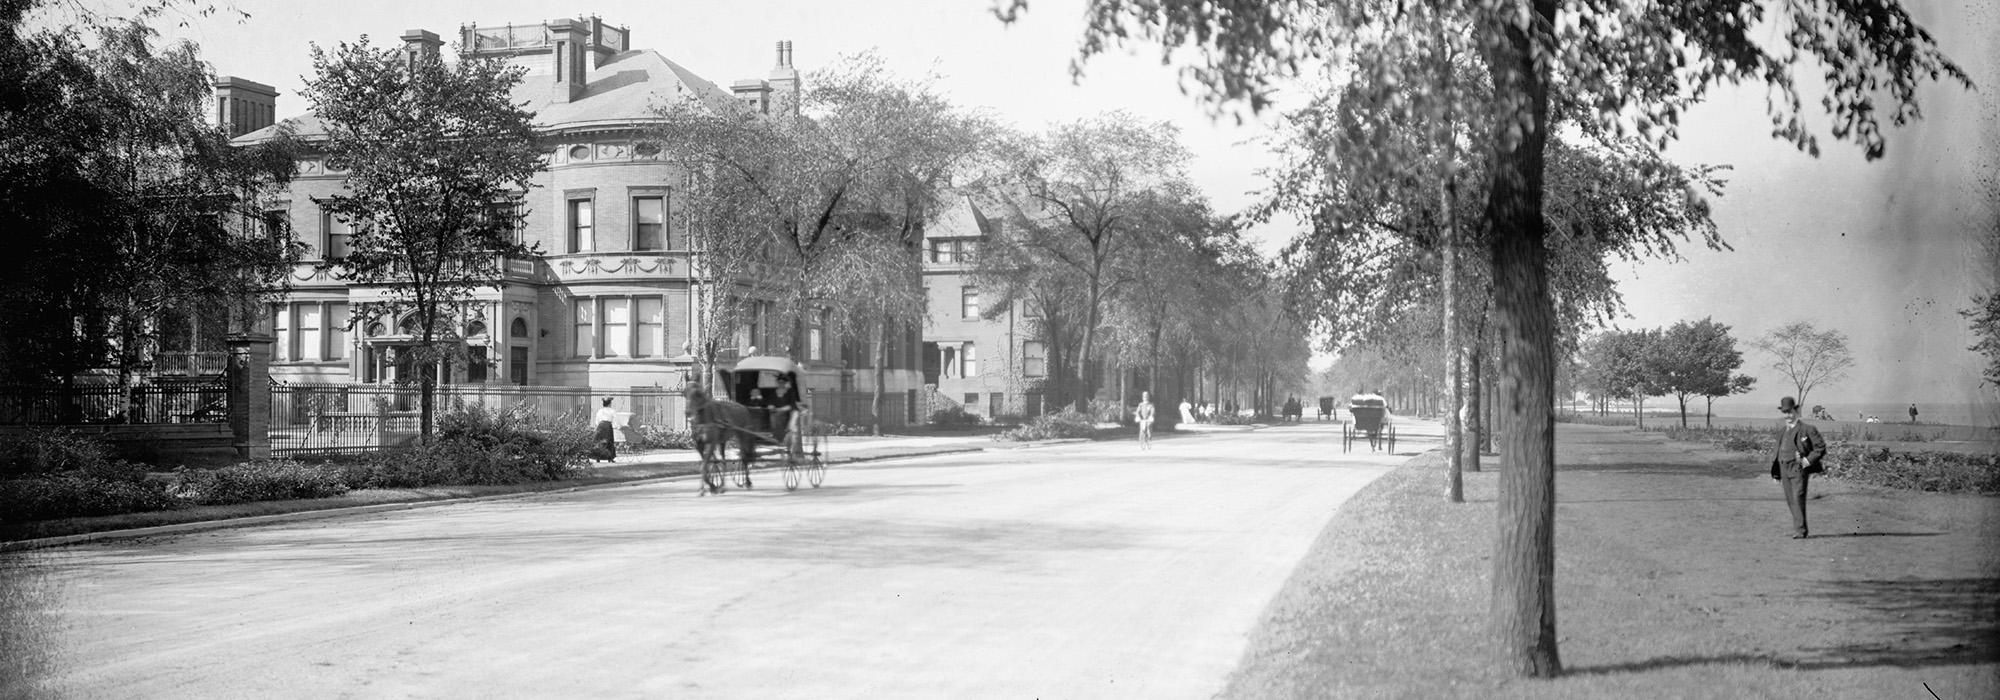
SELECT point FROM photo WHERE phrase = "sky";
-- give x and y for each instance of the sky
(1885, 251)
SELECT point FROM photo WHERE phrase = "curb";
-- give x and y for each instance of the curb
(251, 520)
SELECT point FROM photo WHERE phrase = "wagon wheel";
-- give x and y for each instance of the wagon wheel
(816, 464)
(712, 466)
(792, 465)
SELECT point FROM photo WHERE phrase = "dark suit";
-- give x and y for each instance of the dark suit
(1797, 457)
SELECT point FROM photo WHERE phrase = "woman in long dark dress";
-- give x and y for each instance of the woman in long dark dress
(607, 445)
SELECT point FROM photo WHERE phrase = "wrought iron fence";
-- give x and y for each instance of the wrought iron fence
(156, 402)
(329, 418)
(852, 407)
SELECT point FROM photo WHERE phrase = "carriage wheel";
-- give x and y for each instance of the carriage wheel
(792, 466)
(712, 467)
(816, 467)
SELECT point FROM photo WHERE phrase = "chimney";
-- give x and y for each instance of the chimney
(785, 80)
(567, 37)
(755, 94)
(419, 45)
(243, 106)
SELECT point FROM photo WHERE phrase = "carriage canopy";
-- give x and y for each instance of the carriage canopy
(755, 373)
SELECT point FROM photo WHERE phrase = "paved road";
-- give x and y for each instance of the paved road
(1078, 571)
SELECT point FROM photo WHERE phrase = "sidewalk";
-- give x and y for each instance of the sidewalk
(628, 468)
(1675, 577)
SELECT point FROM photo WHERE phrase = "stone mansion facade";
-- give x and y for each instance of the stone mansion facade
(613, 304)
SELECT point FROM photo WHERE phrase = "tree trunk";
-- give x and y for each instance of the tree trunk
(1475, 425)
(1455, 482)
(1523, 602)
(881, 343)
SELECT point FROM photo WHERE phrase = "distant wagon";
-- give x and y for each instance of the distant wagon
(1371, 421)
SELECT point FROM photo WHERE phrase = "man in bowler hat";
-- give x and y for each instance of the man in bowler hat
(1798, 456)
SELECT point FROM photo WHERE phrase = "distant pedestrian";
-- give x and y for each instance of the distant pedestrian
(1913, 413)
(606, 449)
(1144, 416)
(1187, 411)
(1797, 458)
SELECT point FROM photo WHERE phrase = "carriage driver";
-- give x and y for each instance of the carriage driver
(783, 402)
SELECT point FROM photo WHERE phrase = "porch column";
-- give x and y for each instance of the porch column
(249, 375)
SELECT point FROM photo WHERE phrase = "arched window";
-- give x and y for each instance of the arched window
(475, 328)
(409, 325)
(519, 329)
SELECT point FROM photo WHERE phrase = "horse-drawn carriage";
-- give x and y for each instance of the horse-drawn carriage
(759, 406)
(1371, 421)
(1326, 408)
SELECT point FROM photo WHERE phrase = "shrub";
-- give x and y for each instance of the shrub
(76, 495)
(1065, 424)
(262, 480)
(1233, 419)
(46, 451)
(1923, 470)
(954, 416)
(1103, 411)
(653, 437)
(477, 445)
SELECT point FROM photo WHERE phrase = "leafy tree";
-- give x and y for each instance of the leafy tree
(823, 204)
(1737, 384)
(1984, 316)
(1078, 201)
(1694, 359)
(127, 209)
(437, 155)
(1806, 355)
(1618, 69)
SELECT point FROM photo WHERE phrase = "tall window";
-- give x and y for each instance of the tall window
(475, 365)
(816, 337)
(652, 324)
(507, 215)
(339, 236)
(582, 226)
(1034, 359)
(336, 331)
(585, 338)
(617, 315)
(276, 224)
(968, 300)
(306, 336)
(281, 326)
(968, 359)
(649, 223)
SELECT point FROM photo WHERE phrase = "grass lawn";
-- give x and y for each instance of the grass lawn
(1674, 578)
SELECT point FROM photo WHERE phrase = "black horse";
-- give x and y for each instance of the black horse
(712, 422)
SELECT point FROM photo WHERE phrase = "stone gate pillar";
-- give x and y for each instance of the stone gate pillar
(249, 377)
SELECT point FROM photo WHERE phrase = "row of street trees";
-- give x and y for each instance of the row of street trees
(823, 206)
(1420, 83)
(1123, 264)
